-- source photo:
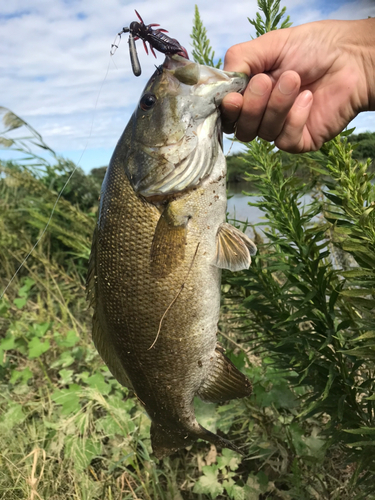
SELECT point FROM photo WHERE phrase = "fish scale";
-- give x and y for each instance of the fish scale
(155, 269)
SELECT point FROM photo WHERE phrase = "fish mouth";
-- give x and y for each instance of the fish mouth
(215, 77)
(205, 77)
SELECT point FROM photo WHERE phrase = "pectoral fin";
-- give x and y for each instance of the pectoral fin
(233, 248)
(224, 381)
(168, 245)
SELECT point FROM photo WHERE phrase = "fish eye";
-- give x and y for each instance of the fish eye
(147, 102)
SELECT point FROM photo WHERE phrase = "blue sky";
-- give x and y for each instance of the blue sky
(56, 72)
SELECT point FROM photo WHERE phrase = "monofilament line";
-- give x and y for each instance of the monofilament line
(61, 191)
(176, 297)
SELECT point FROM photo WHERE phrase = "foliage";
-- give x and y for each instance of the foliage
(272, 17)
(240, 164)
(202, 51)
(308, 300)
(364, 146)
(20, 137)
(26, 205)
(80, 190)
(68, 430)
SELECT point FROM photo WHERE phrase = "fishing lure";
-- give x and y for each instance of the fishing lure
(156, 38)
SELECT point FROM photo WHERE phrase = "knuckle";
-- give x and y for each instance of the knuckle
(231, 53)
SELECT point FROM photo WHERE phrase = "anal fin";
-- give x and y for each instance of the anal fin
(224, 381)
(233, 248)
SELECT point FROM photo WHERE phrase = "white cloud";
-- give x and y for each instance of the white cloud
(57, 56)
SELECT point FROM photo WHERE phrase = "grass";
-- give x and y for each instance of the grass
(69, 431)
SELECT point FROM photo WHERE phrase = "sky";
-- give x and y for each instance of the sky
(57, 74)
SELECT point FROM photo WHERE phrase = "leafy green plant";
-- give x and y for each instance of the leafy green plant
(218, 478)
(308, 300)
(202, 51)
(272, 17)
(21, 138)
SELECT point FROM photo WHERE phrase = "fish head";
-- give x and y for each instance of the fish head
(174, 136)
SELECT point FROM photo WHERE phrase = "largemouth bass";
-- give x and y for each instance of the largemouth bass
(158, 250)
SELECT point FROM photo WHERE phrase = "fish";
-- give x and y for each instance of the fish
(159, 246)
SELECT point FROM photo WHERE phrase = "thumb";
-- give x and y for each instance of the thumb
(258, 55)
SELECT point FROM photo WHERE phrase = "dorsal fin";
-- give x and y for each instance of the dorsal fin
(233, 248)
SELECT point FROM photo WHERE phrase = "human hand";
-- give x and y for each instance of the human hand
(309, 82)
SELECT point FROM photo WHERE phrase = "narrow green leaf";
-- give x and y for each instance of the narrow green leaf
(357, 292)
(361, 430)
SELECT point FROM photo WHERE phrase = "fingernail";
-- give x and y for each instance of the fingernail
(258, 86)
(232, 106)
(287, 86)
(304, 99)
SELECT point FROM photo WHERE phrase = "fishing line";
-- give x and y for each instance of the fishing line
(174, 300)
(62, 189)
(234, 138)
(230, 149)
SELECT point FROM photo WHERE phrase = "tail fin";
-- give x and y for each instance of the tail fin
(165, 441)
(217, 440)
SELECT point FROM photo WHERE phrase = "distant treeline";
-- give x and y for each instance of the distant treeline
(84, 190)
(363, 147)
